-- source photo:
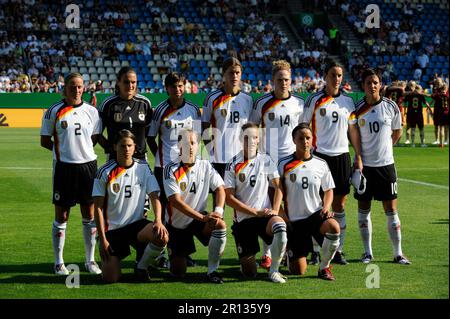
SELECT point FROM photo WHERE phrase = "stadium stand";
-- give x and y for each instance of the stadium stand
(194, 37)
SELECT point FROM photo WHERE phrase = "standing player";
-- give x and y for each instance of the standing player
(440, 113)
(119, 193)
(169, 118)
(75, 127)
(126, 110)
(247, 179)
(278, 112)
(380, 126)
(303, 175)
(396, 92)
(414, 102)
(329, 111)
(187, 183)
(225, 111)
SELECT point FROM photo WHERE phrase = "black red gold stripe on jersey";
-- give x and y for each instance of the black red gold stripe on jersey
(323, 100)
(181, 172)
(361, 111)
(269, 105)
(240, 166)
(290, 166)
(115, 173)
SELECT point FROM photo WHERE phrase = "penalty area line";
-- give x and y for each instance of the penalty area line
(423, 183)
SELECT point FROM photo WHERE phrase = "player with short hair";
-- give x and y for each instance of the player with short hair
(414, 102)
(278, 112)
(303, 175)
(379, 122)
(75, 127)
(440, 113)
(169, 118)
(247, 179)
(328, 112)
(225, 111)
(119, 192)
(187, 183)
(126, 109)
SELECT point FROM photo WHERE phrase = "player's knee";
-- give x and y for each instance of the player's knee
(296, 268)
(248, 266)
(160, 241)
(220, 224)
(332, 226)
(110, 275)
(178, 267)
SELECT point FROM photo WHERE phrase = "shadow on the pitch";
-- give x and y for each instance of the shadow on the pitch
(440, 222)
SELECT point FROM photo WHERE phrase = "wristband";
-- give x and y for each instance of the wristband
(219, 210)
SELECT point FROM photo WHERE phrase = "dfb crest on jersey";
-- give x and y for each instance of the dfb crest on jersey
(168, 123)
(241, 177)
(116, 187)
(183, 186)
(117, 117)
(362, 122)
(64, 125)
(271, 116)
(141, 116)
(293, 177)
(323, 112)
(223, 112)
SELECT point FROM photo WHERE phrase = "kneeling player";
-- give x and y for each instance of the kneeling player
(187, 185)
(247, 179)
(302, 176)
(119, 197)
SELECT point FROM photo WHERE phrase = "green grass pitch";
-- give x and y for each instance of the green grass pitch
(26, 256)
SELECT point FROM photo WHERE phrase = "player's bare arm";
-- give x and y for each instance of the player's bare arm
(355, 139)
(177, 201)
(158, 226)
(151, 141)
(46, 142)
(396, 134)
(277, 198)
(100, 223)
(236, 204)
(327, 200)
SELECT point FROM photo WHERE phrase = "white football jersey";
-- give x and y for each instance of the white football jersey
(72, 127)
(227, 114)
(250, 179)
(329, 117)
(302, 181)
(166, 123)
(376, 123)
(193, 184)
(124, 190)
(278, 118)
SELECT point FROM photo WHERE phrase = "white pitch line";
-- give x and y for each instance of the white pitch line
(423, 183)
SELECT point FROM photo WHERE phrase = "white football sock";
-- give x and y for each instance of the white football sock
(89, 234)
(393, 226)
(150, 253)
(278, 244)
(329, 248)
(365, 229)
(216, 247)
(340, 218)
(266, 249)
(59, 237)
